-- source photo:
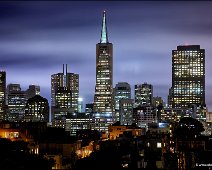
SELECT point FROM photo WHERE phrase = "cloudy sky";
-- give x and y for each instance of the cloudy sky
(36, 38)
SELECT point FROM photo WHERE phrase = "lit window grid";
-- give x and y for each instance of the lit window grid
(187, 66)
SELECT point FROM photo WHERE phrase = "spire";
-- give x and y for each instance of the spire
(104, 37)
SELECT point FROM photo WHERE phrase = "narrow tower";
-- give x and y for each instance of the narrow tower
(103, 99)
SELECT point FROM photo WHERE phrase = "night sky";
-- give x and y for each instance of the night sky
(36, 38)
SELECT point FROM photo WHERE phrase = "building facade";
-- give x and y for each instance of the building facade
(2, 95)
(37, 109)
(16, 102)
(143, 94)
(103, 99)
(144, 115)
(122, 90)
(188, 77)
(126, 111)
(64, 93)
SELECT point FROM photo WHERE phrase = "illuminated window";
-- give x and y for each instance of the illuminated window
(158, 145)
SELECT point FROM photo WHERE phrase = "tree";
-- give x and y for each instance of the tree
(188, 128)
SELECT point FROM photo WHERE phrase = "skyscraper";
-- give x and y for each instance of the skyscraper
(143, 94)
(2, 94)
(126, 111)
(188, 76)
(64, 92)
(103, 99)
(122, 90)
(32, 91)
(16, 102)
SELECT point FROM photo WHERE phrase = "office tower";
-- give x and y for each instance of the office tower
(64, 93)
(126, 111)
(16, 102)
(73, 84)
(32, 91)
(122, 90)
(63, 102)
(37, 109)
(144, 115)
(2, 94)
(188, 77)
(143, 94)
(103, 99)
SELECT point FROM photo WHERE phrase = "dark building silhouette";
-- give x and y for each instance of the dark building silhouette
(2, 94)
(32, 91)
(37, 109)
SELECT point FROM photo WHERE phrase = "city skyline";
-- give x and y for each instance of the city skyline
(35, 41)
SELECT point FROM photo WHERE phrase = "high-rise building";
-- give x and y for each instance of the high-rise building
(103, 99)
(143, 94)
(126, 111)
(37, 109)
(63, 102)
(32, 91)
(2, 94)
(16, 102)
(188, 77)
(73, 84)
(122, 90)
(64, 93)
